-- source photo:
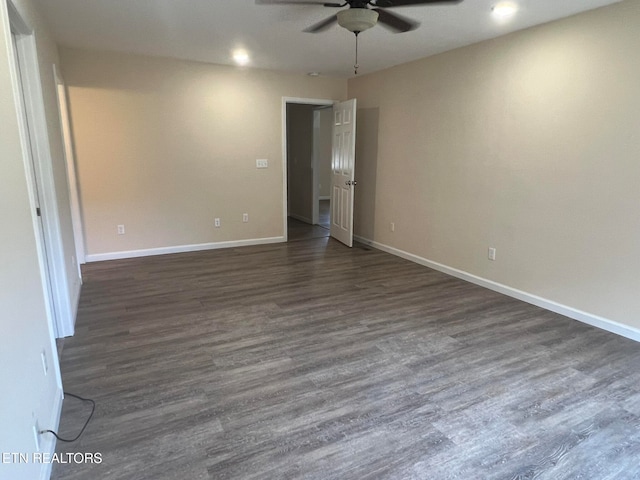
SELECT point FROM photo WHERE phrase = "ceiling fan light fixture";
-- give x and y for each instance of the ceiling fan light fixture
(357, 19)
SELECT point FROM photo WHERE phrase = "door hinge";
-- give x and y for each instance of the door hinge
(38, 211)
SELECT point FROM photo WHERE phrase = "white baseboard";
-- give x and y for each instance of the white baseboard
(48, 445)
(301, 218)
(100, 257)
(581, 316)
(328, 197)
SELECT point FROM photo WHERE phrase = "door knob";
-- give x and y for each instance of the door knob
(351, 182)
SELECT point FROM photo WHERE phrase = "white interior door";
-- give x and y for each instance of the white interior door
(343, 171)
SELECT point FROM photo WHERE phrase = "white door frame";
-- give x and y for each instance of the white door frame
(36, 139)
(72, 178)
(17, 24)
(285, 101)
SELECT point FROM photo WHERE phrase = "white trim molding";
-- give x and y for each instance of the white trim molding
(72, 178)
(573, 313)
(48, 445)
(100, 257)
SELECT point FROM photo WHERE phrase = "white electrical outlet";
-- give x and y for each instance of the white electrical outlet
(492, 253)
(393, 227)
(216, 222)
(245, 217)
(120, 229)
(36, 435)
(45, 367)
(262, 163)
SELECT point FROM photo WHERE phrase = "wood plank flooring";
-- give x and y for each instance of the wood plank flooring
(309, 360)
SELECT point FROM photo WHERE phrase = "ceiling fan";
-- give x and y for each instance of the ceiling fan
(363, 14)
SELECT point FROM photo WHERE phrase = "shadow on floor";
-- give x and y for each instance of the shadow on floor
(325, 217)
(298, 230)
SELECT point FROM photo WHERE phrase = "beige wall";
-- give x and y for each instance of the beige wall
(27, 394)
(165, 146)
(528, 143)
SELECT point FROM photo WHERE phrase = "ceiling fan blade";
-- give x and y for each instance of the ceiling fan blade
(409, 3)
(323, 25)
(395, 22)
(294, 2)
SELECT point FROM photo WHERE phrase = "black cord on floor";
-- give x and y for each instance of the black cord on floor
(93, 409)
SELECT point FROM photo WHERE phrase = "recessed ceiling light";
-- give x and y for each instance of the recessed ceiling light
(240, 56)
(314, 74)
(504, 10)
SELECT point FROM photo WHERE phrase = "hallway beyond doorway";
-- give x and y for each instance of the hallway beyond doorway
(299, 230)
(325, 214)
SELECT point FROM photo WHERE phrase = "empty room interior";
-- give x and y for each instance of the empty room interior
(264, 239)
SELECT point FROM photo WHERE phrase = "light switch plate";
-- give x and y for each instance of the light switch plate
(262, 163)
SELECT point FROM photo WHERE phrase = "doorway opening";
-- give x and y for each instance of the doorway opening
(307, 146)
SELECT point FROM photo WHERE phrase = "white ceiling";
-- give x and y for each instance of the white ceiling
(208, 30)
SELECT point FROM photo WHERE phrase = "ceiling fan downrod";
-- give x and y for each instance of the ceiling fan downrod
(356, 66)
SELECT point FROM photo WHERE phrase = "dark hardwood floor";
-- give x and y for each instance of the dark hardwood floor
(309, 360)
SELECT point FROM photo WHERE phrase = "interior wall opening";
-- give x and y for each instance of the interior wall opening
(308, 145)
